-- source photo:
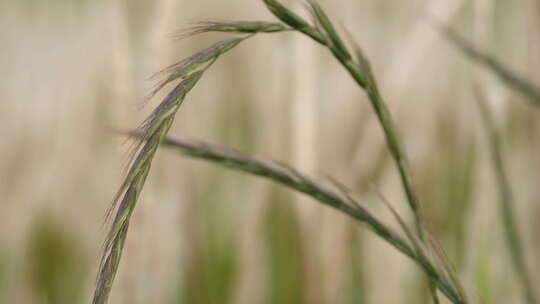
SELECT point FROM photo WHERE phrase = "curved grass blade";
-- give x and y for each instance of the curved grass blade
(291, 178)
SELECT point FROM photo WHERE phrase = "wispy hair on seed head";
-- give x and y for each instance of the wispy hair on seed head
(182, 68)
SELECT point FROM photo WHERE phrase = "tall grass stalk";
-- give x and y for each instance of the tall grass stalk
(360, 69)
(506, 201)
(339, 199)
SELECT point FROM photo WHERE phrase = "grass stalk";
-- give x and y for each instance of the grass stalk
(360, 70)
(342, 201)
(506, 201)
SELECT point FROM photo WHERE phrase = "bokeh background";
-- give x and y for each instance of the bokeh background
(74, 71)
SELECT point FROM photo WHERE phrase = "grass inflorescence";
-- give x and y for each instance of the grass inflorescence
(154, 129)
(427, 254)
(434, 264)
(231, 26)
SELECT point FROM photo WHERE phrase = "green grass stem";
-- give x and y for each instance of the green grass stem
(340, 200)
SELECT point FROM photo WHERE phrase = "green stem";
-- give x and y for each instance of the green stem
(293, 179)
(392, 140)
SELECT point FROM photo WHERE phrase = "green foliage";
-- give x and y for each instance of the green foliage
(3, 274)
(211, 269)
(57, 265)
(355, 290)
(286, 263)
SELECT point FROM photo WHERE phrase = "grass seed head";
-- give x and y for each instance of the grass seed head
(231, 27)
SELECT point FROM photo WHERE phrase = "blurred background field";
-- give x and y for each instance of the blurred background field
(73, 71)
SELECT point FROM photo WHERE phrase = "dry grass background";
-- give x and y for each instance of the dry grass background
(74, 70)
